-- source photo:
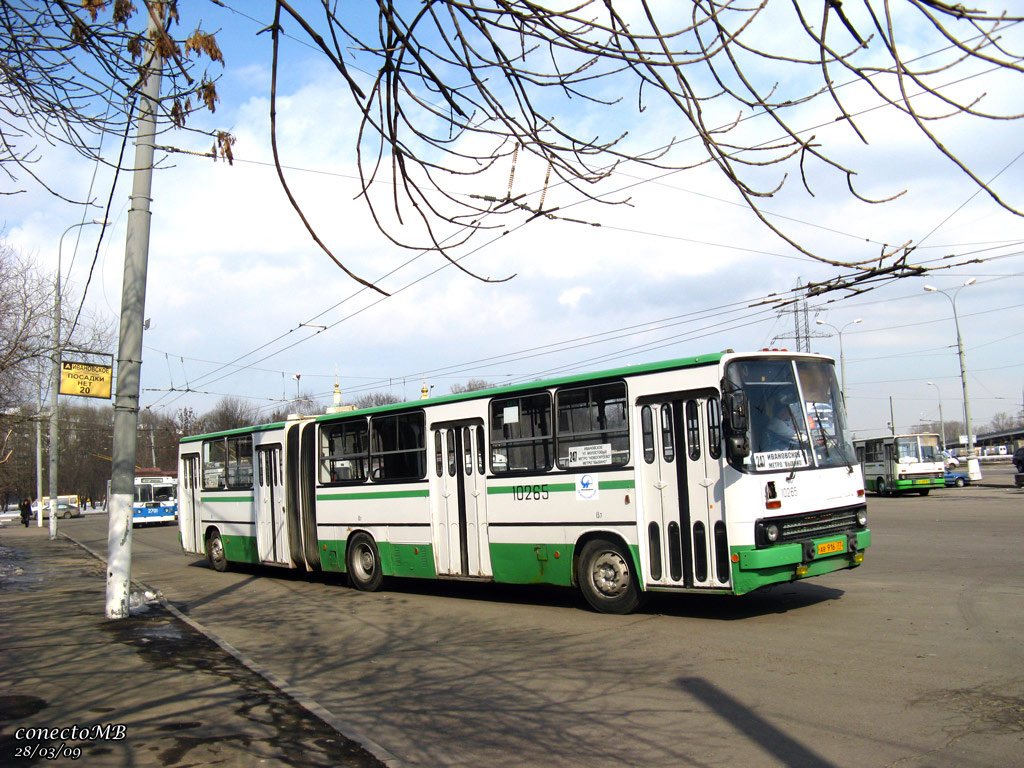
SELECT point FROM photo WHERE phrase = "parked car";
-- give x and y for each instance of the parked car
(64, 510)
(1018, 459)
(950, 460)
(957, 479)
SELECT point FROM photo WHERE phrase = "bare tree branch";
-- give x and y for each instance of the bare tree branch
(455, 87)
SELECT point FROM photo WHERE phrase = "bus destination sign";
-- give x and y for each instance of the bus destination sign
(85, 379)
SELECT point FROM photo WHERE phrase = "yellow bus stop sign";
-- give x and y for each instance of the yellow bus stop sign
(85, 379)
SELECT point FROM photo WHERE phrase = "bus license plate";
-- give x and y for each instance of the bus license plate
(922, 482)
(831, 547)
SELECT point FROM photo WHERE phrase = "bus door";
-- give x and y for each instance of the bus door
(660, 492)
(270, 514)
(460, 506)
(681, 477)
(702, 428)
(189, 509)
(890, 465)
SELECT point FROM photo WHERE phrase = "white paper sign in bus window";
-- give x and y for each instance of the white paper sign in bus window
(590, 455)
(510, 414)
(769, 460)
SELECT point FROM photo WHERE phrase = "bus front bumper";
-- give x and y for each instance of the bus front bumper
(753, 568)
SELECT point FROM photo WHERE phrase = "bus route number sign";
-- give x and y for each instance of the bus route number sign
(85, 379)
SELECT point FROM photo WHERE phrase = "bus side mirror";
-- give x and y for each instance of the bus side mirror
(734, 413)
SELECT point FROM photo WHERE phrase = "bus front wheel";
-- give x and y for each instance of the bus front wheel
(606, 577)
(215, 552)
(363, 562)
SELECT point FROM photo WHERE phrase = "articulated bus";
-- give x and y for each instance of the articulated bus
(723, 473)
(902, 463)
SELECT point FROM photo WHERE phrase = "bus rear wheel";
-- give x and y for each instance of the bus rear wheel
(215, 552)
(363, 561)
(880, 488)
(605, 575)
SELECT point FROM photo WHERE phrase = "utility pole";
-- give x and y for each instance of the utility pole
(960, 353)
(152, 439)
(942, 421)
(129, 351)
(39, 455)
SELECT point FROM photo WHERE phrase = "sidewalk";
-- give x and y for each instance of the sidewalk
(173, 697)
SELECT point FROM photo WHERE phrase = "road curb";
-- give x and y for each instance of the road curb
(304, 700)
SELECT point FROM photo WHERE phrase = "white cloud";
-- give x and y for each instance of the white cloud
(571, 297)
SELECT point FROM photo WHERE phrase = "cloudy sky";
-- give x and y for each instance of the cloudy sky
(242, 303)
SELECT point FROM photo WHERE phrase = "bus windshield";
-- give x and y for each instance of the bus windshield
(147, 492)
(797, 418)
(918, 448)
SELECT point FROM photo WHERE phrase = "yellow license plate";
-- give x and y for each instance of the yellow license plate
(922, 482)
(831, 547)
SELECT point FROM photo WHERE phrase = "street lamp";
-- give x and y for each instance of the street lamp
(54, 399)
(942, 423)
(842, 360)
(963, 364)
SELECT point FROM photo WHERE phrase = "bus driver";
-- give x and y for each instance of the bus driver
(781, 432)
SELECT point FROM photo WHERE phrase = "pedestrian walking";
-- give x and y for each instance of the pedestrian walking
(26, 511)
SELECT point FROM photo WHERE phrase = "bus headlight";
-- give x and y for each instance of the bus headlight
(771, 532)
(862, 517)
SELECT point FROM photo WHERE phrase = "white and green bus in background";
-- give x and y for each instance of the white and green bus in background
(902, 463)
(720, 474)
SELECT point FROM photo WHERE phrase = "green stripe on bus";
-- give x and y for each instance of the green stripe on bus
(236, 499)
(240, 549)
(414, 560)
(605, 485)
(373, 495)
(611, 485)
(538, 563)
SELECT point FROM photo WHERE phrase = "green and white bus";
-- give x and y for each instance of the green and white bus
(902, 463)
(721, 473)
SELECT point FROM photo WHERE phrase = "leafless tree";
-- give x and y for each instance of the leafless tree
(70, 73)
(26, 360)
(304, 405)
(473, 385)
(185, 422)
(374, 399)
(26, 320)
(460, 91)
(1003, 422)
(230, 413)
(461, 87)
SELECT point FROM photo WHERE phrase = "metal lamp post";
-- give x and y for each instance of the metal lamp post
(963, 364)
(55, 384)
(942, 422)
(842, 359)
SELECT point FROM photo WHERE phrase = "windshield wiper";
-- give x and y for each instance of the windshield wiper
(825, 437)
(800, 436)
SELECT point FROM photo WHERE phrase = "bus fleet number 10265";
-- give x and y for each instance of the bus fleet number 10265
(718, 474)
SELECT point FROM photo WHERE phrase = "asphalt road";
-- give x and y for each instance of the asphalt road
(915, 659)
